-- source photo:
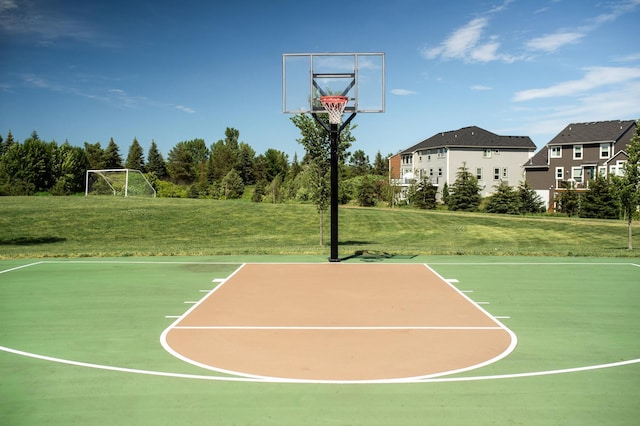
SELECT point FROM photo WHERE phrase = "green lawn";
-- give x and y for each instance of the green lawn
(109, 226)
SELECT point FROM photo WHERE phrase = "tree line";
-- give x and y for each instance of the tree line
(222, 170)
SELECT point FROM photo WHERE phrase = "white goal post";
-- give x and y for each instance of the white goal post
(123, 182)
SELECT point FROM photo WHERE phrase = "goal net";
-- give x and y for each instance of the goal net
(118, 182)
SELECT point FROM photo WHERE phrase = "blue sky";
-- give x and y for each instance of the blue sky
(171, 71)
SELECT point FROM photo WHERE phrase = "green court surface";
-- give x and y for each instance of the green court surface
(80, 344)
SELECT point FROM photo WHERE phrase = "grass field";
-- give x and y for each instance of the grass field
(86, 286)
(108, 226)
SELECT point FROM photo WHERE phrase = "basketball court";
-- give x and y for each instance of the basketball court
(337, 323)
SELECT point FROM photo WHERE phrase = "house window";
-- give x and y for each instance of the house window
(440, 172)
(604, 150)
(556, 152)
(479, 173)
(496, 173)
(486, 153)
(505, 173)
(559, 173)
(577, 152)
(431, 172)
(576, 174)
(602, 171)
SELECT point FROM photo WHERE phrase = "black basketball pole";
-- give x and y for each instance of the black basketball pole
(334, 136)
(334, 146)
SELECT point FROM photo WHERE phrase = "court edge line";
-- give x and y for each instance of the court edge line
(21, 266)
(253, 380)
(293, 327)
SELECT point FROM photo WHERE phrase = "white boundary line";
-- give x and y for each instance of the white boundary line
(254, 380)
(254, 327)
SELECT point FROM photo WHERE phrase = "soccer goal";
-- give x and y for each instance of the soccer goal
(118, 182)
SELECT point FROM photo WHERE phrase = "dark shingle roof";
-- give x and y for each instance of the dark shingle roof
(472, 136)
(541, 158)
(599, 131)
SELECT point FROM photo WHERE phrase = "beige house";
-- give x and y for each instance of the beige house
(491, 157)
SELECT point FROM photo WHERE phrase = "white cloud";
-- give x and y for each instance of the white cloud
(469, 44)
(594, 77)
(459, 44)
(480, 87)
(553, 42)
(402, 92)
(185, 109)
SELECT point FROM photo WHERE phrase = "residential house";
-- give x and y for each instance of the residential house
(490, 157)
(576, 154)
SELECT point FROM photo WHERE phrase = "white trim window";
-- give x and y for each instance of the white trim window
(486, 153)
(505, 173)
(559, 173)
(556, 152)
(479, 173)
(576, 174)
(602, 171)
(496, 173)
(577, 152)
(605, 150)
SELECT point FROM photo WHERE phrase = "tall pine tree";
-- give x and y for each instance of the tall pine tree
(465, 192)
(135, 157)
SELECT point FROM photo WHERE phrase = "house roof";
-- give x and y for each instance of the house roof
(599, 131)
(541, 159)
(472, 137)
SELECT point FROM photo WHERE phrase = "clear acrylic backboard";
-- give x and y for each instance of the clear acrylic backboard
(308, 76)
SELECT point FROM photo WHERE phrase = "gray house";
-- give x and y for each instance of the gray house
(576, 154)
(491, 157)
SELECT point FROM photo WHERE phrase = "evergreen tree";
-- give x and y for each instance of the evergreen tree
(359, 163)
(422, 194)
(530, 201)
(246, 159)
(225, 155)
(504, 201)
(276, 162)
(445, 193)
(259, 191)
(135, 158)
(112, 158)
(155, 162)
(380, 165)
(600, 201)
(6, 143)
(180, 164)
(367, 192)
(568, 201)
(465, 191)
(232, 185)
(95, 155)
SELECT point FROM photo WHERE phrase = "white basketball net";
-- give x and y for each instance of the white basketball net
(335, 107)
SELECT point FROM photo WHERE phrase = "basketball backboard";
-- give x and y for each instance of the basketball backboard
(307, 76)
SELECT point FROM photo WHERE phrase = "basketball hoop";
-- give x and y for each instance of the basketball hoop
(335, 107)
